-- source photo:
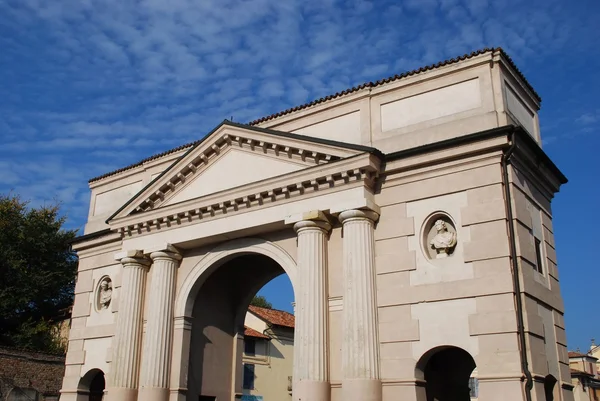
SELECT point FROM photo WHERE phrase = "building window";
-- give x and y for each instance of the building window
(248, 376)
(474, 387)
(537, 231)
(538, 256)
(250, 346)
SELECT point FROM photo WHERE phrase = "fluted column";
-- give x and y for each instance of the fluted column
(158, 340)
(360, 344)
(310, 342)
(128, 335)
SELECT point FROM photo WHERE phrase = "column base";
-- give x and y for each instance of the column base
(153, 394)
(121, 394)
(312, 390)
(361, 390)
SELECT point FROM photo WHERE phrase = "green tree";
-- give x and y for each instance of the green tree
(261, 302)
(37, 273)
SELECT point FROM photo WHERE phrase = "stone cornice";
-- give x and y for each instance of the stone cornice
(358, 170)
(196, 160)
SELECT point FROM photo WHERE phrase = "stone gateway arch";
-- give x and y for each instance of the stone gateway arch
(412, 216)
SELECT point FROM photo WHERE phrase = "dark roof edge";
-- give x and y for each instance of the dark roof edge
(539, 152)
(267, 131)
(397, 77)
(306, 138)
(482, 135)
(86, 237)
(165, 171)
(477, 136)
(141, 162)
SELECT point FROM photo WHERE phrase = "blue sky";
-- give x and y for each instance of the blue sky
(90, 86)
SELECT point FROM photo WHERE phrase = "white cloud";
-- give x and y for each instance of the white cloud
(83, 78)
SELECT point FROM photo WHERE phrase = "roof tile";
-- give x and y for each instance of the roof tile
(248, 332)
(273, 316)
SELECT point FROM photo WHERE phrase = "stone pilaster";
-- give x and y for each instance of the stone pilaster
(128, 335)
(360, 344)
(158, 340)
(310, 342)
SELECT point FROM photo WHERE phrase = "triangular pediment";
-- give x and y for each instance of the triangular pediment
(234, 168)
(233, 156)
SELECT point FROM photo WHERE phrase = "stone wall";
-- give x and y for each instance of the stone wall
(25, 375)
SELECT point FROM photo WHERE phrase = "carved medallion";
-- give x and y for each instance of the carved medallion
(439, 236)
(104, 293)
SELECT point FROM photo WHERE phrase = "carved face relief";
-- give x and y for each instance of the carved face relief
(104, 293)
(440, 237)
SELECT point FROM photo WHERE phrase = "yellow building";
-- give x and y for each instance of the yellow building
(268, 355)
(584, 375)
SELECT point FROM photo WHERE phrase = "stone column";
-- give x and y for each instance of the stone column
(128, 335)
(158, 340)
(310, 343)
(360, 344)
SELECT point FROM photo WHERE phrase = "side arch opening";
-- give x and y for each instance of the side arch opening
(446, 371)
(91, 385)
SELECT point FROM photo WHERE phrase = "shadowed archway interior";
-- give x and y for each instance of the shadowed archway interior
(218, 323)
(446, 371)
(92, 385)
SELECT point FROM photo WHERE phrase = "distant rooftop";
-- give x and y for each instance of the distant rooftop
(273, 316)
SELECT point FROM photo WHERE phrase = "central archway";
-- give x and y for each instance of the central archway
(213, 301)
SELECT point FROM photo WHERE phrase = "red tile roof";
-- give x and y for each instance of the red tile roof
(575, 354)
(248, 332)
(342, 93)
(273, 316)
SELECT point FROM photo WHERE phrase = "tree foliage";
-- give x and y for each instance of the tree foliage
(37, 273)
(261, 302)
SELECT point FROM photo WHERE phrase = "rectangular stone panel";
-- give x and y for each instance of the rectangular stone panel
(520, 207)
(81, 305)
(538, 363)
(440, 185)
(390, 263)
(534, 323)
(492, 323)
(402, 391)
(400, 331)
(75, 345)
(430, 105)
(75, 358)
(391, 246)
(498, 354)
(485, 249)
(394, 227)
(547, 222)
(489, 231)
(85, 282)
(484, 195)
(561, 336)
(552, 268)
(496, 303)
(551, 253)
(483, 212)
(396, 360)
(559, 319)
(563, 353)
(549, 237)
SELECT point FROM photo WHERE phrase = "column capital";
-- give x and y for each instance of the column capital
(303, 225)
(358, 214)
(133, 257)
(163, 251)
